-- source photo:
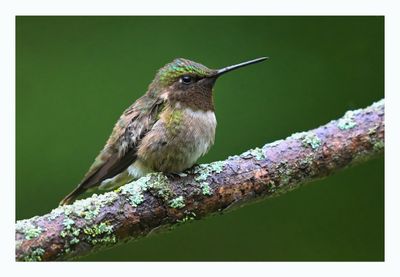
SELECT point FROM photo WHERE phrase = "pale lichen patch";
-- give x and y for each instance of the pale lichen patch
(160, 184)
(299, 135)
(256, 153)
(205, 188)
(26, 228)
(188, 217)
(135, 189)
(35, 256)
(101, 233)
(203, 171)
(285, 173)
(379, 145)
(347, 121)
(55, 213)
(177, 203)
(153, 181)
(217, 166)
(308, 139)
(74, 240)
(68, 222)
(88, 208)
(311, 139)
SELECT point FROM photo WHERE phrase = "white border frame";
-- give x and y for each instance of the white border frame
(9, 9)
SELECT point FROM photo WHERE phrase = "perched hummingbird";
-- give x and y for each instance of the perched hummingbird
(165, 130)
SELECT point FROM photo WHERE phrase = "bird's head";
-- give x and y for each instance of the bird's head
(190, 83)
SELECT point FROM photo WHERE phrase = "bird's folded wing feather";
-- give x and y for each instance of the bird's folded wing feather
(120, 150)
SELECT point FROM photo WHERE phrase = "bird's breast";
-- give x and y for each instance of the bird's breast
(178, 139)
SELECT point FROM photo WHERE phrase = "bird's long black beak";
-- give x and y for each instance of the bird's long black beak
(224, 70)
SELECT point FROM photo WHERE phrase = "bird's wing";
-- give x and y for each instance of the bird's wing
(120, 151)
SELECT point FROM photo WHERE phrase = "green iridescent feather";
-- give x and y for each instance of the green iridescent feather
(178, 67)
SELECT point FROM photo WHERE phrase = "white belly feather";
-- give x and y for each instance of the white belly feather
(203, 125)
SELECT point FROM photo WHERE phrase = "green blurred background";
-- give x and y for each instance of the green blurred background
(76, 75)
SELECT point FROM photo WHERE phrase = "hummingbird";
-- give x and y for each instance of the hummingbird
(166, 130)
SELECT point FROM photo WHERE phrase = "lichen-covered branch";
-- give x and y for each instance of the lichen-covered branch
(157, 201)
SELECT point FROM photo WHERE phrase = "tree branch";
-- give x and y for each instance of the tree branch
(157, 201)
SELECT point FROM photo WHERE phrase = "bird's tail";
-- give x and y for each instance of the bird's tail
(72, 196)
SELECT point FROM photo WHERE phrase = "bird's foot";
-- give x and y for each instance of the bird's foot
(175, 175)
(193, 169)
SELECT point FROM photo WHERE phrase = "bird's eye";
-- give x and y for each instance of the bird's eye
(186, 79)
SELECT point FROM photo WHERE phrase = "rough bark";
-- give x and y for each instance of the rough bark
(157, 201)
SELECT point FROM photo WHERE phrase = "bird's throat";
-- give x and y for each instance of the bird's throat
(195, 100)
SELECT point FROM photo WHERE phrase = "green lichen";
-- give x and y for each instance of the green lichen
(136, 197)
(217, 166)
(71, 238)
(88, 208)
(100, 233)
(107, 198)
(379, 145)
(257, 153)
(202, 175)
(189, 217)
(35, 256)
(285, 173)
(160, 184)
(271, 186)
(347, 121)
(98, 229)
(177, 203)
(299, 135)
(26, 228)
(64, 233)
(156, 182)
(70, 233)
(135, 189)
(307, 161)
(203, 171)
(75, 232)
(308, 139)
(33, 233)
(185, 219)
(69, 230)
(68, 222)
(311, 139)
(74, 241)
(55, 213)
(105, 240)
(205, 188)
(91, 213)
